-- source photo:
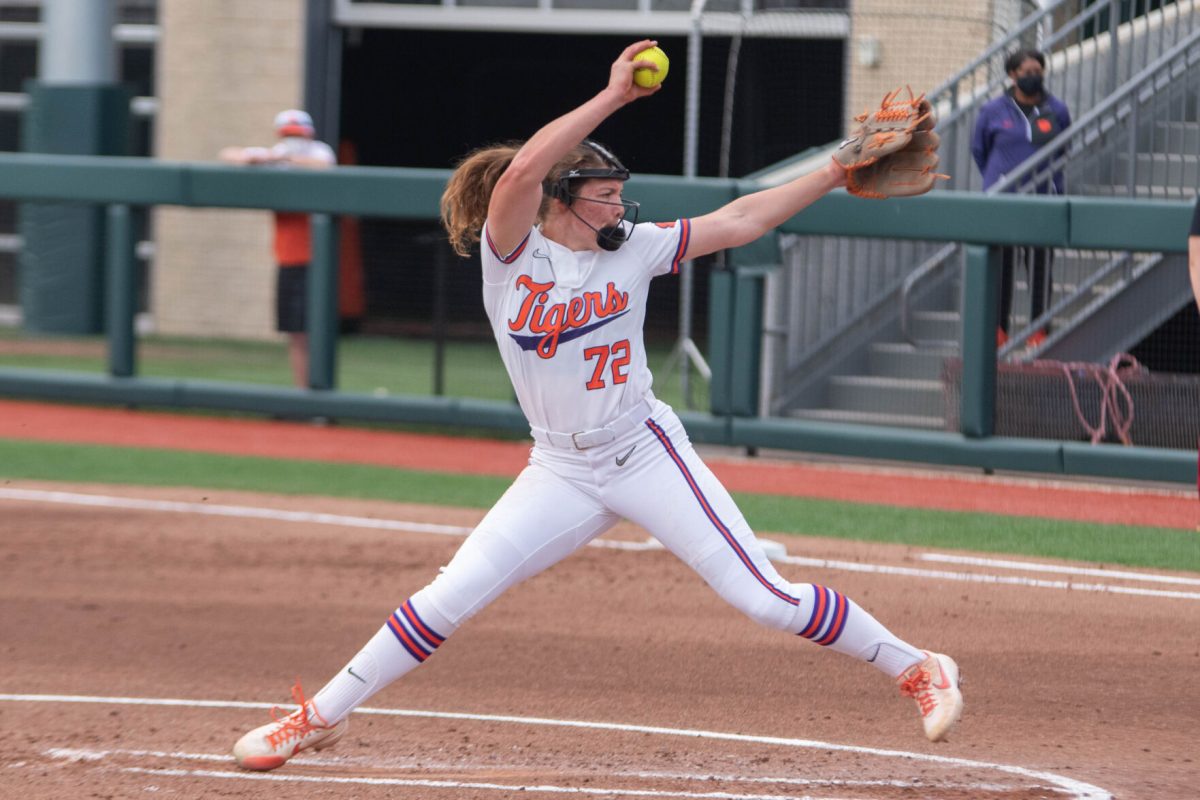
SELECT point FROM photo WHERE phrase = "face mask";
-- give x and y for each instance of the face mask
(1030, 84)
(611, 237)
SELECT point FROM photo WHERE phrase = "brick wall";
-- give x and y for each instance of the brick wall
(224, 69)
(920, 43)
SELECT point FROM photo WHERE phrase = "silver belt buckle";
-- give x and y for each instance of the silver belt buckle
(593, 438)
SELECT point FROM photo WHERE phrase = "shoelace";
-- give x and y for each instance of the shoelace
(917, 687)
(295, 725)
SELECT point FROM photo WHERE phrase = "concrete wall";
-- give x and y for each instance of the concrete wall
(224, 69)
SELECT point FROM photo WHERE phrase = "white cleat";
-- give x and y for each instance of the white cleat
(270, 746)
(934, 684)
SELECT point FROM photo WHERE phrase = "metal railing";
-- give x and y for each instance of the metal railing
(801, 19)
(1083, 299)
(824, 302)
(950, 254)
(121, 184)
(1088, 59)
(1142, 141)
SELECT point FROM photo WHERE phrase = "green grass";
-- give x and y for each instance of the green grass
(1083, 541)
(365, 364)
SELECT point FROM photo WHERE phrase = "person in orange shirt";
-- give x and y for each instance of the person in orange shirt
(297, 147)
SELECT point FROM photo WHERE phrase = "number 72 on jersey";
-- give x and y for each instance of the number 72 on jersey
(616, 354)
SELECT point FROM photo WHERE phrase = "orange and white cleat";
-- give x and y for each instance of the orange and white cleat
(270, 746)
(934, 684)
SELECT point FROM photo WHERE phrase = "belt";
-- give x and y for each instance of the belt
(583, 440)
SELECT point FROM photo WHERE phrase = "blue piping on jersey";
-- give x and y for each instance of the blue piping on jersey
(511, 257)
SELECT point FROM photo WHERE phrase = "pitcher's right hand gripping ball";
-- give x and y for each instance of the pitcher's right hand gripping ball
(894, 151)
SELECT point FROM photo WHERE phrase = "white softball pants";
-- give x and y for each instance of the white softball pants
(567, 497)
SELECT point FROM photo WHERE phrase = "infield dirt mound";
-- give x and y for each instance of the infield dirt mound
(110, 602)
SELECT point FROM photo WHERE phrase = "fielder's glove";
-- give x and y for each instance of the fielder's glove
(894, 151)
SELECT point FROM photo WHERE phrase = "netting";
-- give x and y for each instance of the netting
(1119, 401)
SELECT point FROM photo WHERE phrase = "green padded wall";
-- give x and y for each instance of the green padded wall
(61, 268)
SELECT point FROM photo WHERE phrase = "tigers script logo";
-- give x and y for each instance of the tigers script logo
(552, 323)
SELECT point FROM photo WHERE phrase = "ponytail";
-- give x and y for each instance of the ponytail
(465, 201)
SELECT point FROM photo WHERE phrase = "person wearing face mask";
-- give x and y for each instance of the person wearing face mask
(1009, 130)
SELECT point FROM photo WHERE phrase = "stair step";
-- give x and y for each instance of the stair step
(903, 360)
(935, 326)
(1170, 137)
(868, 418)
(1158, 169)
(882, 395)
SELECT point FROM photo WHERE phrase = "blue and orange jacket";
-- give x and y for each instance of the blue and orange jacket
(1004, 138)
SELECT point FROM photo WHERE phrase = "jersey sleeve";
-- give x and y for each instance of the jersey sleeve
(497, 265)
(324, 152)
(662, 245)
(308, 149)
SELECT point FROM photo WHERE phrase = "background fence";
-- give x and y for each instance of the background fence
(736, 323)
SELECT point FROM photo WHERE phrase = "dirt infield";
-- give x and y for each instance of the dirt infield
(143, 630)
(1071, 693)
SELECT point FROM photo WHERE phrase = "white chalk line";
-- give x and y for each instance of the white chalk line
(325, 760)
(978, 577)
(218, 510)
(947, 475)
(1000, 563)
(252, 512)
(459, 785)
(1075, 788)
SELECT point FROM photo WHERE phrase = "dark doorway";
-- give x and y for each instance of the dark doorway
(419, 98)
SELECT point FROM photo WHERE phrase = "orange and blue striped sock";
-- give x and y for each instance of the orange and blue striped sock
(408, 638)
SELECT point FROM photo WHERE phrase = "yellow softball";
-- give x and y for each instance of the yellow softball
(650, 77)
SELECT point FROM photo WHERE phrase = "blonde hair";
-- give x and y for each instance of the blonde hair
(469, 191)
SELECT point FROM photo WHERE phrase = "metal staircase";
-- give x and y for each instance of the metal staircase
(1132, 89)
(1139, 142)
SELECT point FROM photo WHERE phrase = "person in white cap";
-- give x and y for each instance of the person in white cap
(297, 147)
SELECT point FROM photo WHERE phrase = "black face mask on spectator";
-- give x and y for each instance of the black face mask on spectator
(1030, 85)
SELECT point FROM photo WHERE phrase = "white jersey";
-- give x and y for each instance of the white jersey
(569, 324)
(301, 147)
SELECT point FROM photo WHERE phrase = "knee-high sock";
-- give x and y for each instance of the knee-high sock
(409, 637)
(837, 622)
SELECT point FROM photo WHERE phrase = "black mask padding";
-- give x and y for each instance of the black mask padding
(611, 237)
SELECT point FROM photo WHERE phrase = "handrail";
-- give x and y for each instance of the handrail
(982, 219)
(1075, 23)
(1151, 76)
(910, 281)
(1000, 46)
(975, 217)
(1017, 340)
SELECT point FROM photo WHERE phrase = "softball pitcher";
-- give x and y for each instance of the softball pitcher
(566, 271)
